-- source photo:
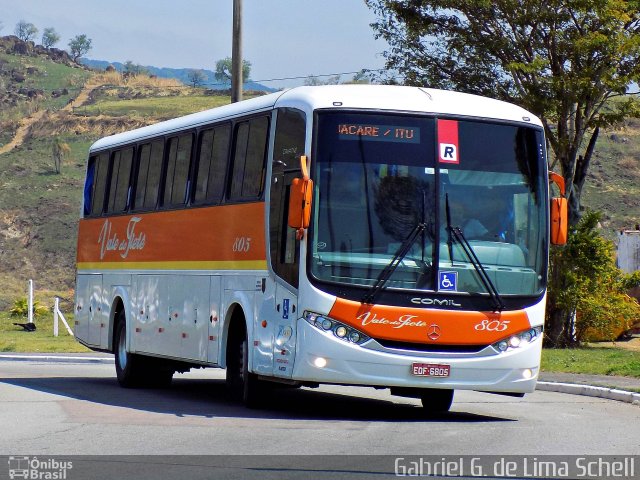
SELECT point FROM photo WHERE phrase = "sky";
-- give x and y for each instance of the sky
(281, 38)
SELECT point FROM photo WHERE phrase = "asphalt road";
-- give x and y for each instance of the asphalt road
(73, 409)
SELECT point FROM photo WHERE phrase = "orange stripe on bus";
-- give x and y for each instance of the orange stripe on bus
(429, 326)
(227, 236)
(222, 265)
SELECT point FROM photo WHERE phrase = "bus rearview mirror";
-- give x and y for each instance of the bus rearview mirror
(300, 204)
(559, 212)
(559, 215)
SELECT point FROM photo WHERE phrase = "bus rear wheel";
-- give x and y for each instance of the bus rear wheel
(127, 364)
(135, 370)
(435, 400)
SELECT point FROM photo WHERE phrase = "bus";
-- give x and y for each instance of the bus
(384, 236)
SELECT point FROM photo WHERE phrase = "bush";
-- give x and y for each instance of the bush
(21, 308)
(585, 284)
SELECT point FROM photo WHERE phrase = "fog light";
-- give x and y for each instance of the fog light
(527, 373)
(326, 324)
(341, 331)
(320, 362)
(503, 345)
(354, 337)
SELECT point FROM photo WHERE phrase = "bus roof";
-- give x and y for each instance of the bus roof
(370, 97)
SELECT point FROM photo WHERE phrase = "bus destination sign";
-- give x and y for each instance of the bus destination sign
(378, 133)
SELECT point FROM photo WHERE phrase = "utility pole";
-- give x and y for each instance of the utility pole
(236, 53)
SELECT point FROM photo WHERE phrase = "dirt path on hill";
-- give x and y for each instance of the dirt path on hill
(21, 133)
(27, 122)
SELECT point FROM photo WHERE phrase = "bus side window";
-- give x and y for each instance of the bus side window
(100, 170)
(120, 177)
(148, 175)
(212, 165)
(248, 159)
(288, 147)
(178, 161)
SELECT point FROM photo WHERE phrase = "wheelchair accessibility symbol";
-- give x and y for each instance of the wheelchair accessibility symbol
(448, 281)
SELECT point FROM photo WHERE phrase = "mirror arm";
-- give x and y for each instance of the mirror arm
(559, 181)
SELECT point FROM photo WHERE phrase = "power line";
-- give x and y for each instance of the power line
(301, 77)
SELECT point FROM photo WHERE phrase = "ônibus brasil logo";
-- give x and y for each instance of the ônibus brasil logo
(33, 468)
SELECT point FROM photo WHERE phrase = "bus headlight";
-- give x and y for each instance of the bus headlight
(518, 340)
(339, 329)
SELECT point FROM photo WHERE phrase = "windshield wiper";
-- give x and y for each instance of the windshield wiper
(482, 273)
(386, 273)
(456, 233)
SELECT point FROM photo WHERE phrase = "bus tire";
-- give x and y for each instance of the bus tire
(436, 400)
(243, 385)
(128, 366)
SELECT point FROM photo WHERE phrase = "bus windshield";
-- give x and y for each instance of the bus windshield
(379, 177)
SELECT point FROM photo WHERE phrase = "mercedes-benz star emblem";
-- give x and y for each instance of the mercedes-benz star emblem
(433, 332)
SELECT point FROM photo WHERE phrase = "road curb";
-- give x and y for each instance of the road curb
(55, 359)
(590, 391)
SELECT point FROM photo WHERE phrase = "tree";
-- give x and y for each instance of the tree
(563, 60)
(59, 151)
(133, 69)
(25, 31)
(312, 81)
(196, 77)
(78, 46)
(585, 281)
(50, 37)
(223, 70)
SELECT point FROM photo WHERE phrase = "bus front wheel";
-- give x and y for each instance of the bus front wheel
(243, 385)
(435, 400)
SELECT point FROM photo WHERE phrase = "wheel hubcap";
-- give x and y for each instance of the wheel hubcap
(122, 352)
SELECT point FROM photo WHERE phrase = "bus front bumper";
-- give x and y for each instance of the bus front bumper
(514, 371)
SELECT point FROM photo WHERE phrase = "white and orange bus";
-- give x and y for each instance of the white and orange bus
(380, 236)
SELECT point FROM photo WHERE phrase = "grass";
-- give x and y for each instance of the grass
(48, 76)
(157, 107)
(15, 339)
(588, 360)
(592, 360)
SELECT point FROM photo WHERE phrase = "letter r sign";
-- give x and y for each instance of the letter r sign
(448, 153)
(448, 141)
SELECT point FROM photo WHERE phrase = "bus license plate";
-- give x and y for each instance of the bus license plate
(430, 370)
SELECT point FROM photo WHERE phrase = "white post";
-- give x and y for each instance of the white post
(55, 317)
(30, 301)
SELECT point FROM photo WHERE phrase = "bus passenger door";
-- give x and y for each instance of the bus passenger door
(284, 247)
(285, 260)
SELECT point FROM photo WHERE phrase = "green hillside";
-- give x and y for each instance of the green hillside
(52, 97)
(44, 97)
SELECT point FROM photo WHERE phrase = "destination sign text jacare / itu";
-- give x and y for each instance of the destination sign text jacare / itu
(378, 133)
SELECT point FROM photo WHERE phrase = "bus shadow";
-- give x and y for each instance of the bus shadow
(209, 399)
